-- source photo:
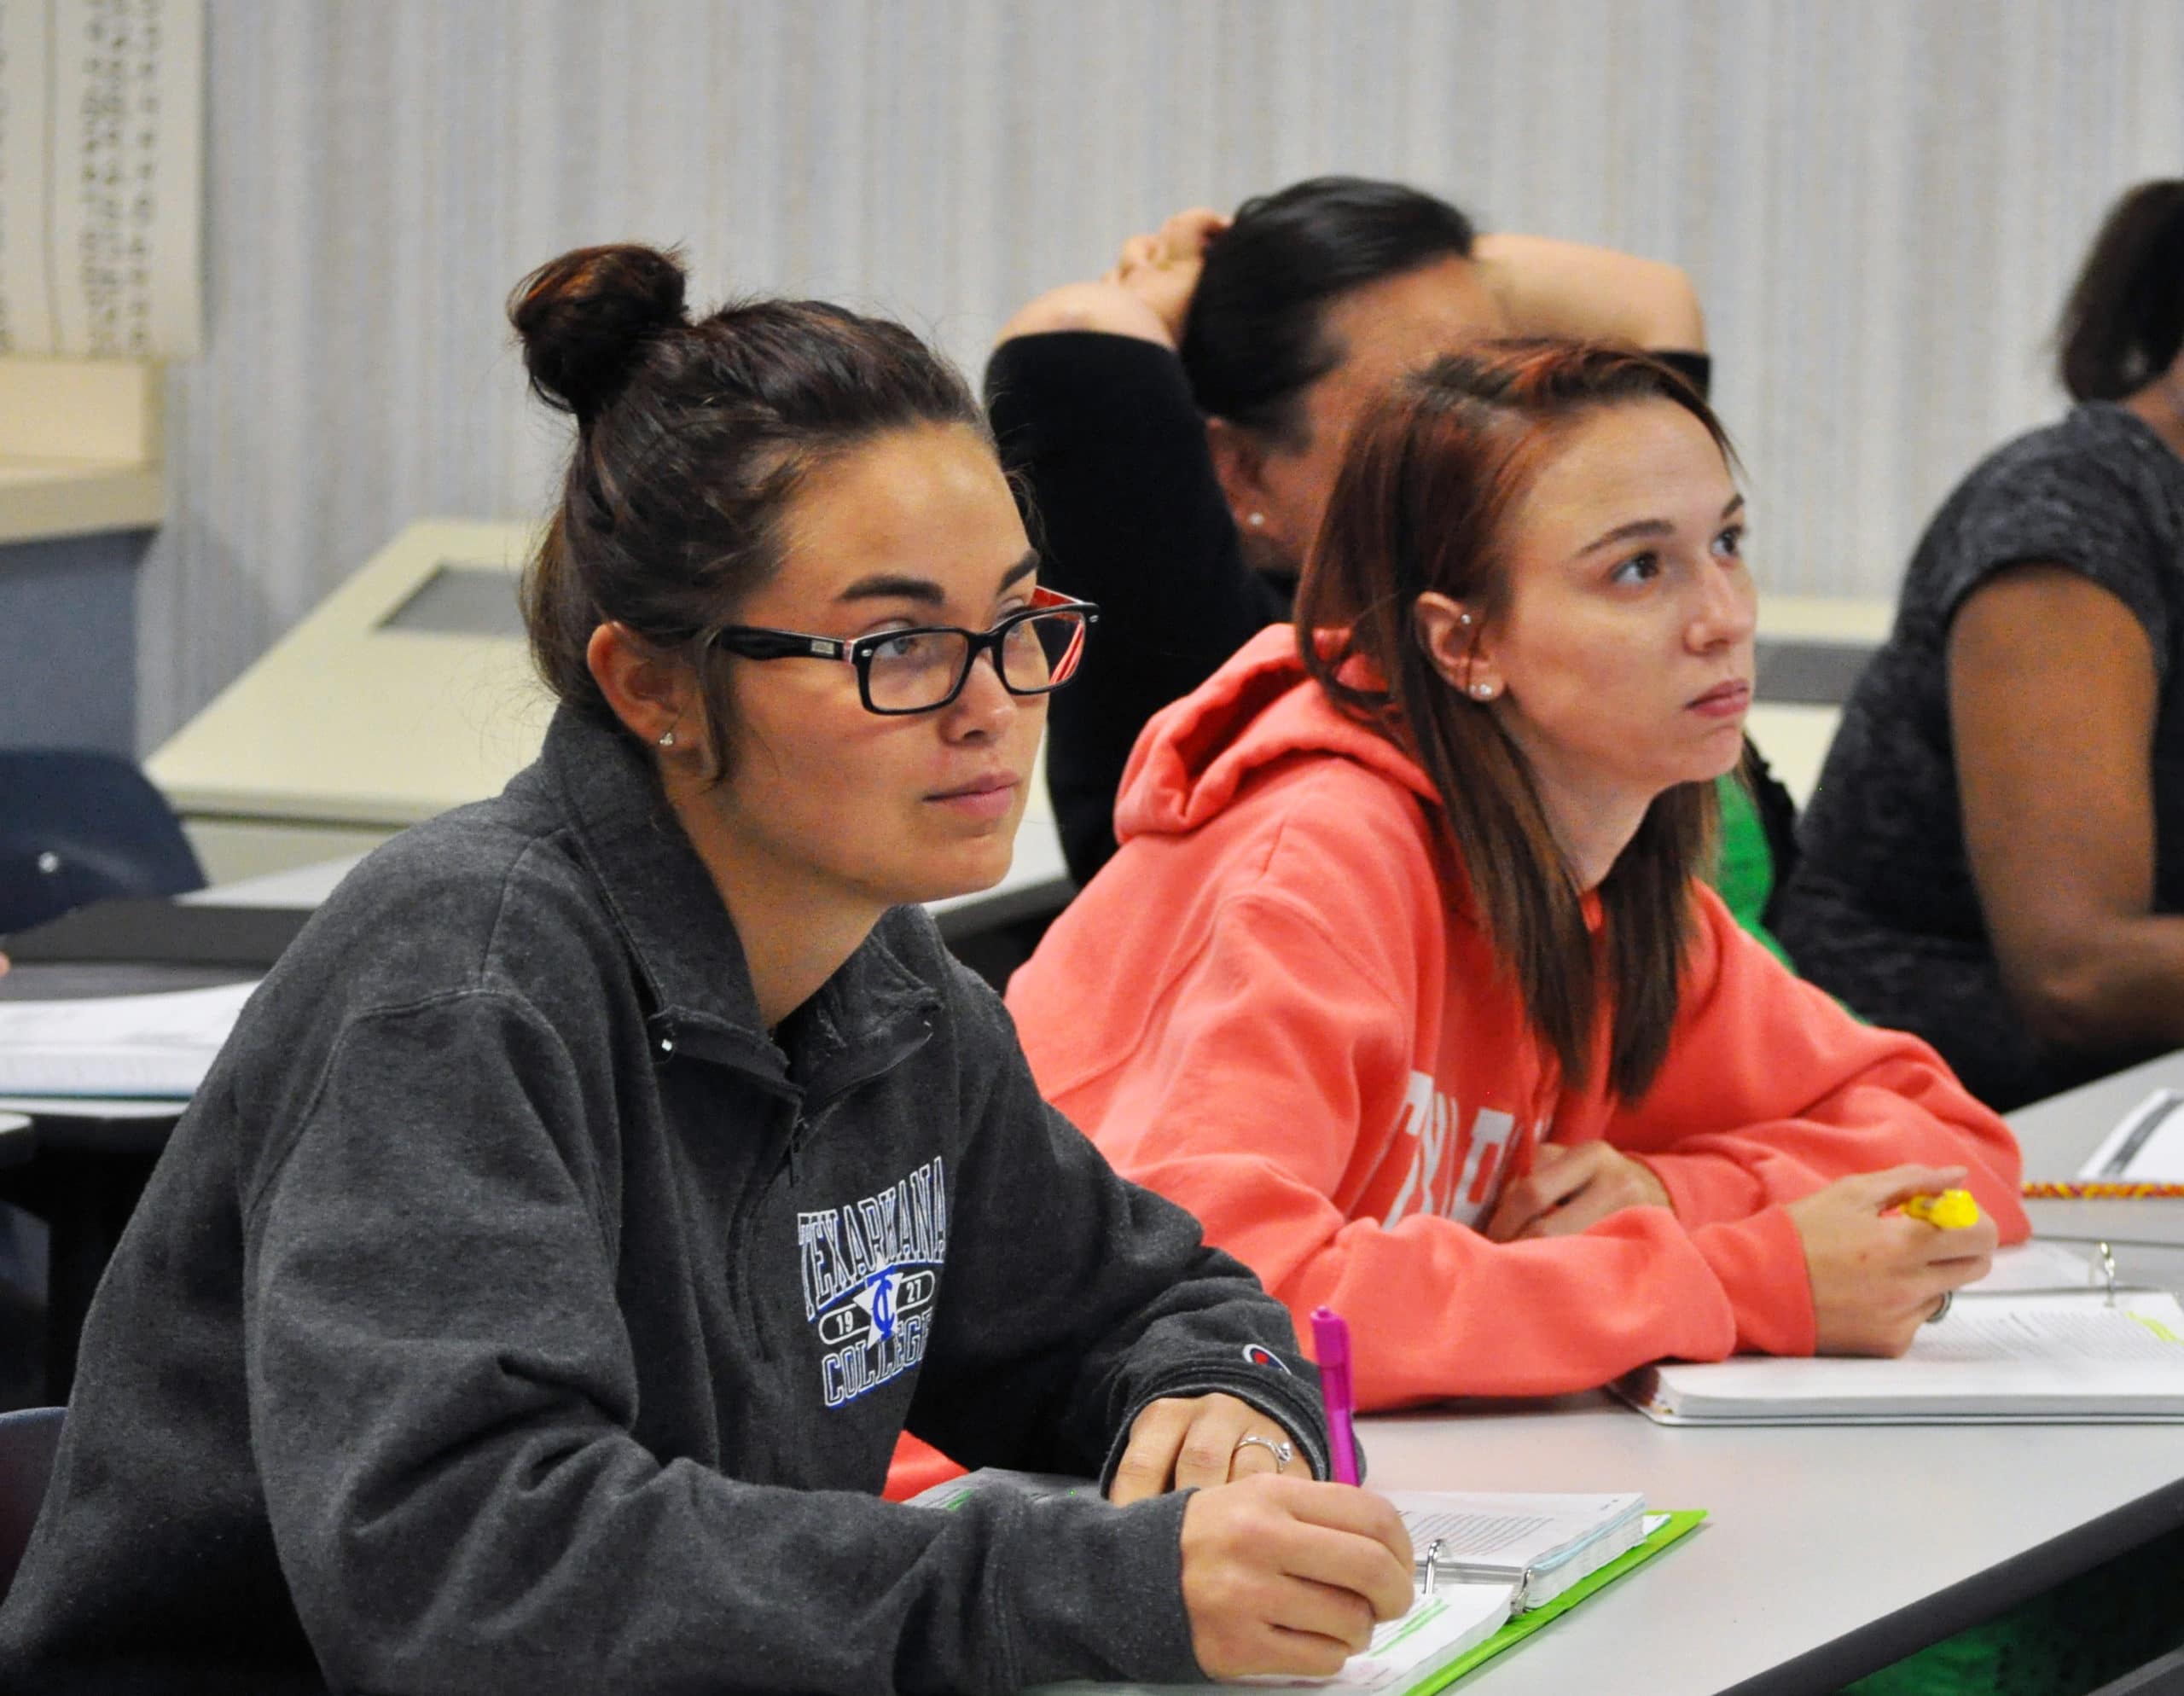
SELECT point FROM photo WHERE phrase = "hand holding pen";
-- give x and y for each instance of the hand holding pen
(1284, 1575)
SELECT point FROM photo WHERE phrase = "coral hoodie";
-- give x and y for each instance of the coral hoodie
(1276, 1006)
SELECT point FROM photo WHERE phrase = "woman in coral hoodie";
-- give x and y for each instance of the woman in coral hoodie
(1402, 981)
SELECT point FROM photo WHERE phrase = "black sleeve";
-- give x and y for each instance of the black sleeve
(1695, 369)
(1109, 452)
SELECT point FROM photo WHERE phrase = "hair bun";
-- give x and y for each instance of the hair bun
(582, 318)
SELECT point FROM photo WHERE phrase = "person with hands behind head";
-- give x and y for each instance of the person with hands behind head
(1178, 422)
(1401, 980)
(611, 1171)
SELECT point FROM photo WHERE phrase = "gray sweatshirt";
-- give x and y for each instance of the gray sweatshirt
(511, 1313)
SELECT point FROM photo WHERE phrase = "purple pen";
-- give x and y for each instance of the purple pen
(1331, 1342)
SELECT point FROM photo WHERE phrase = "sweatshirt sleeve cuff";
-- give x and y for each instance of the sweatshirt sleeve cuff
(1705, 1189)
(1104, 1597)
(1279, 1393)
(1761, 1265)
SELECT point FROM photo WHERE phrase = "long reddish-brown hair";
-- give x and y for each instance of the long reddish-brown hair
(1429, 485)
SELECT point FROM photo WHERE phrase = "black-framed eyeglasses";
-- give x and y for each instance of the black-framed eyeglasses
(1035, 651)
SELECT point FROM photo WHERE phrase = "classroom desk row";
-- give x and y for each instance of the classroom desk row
(1828, 1552)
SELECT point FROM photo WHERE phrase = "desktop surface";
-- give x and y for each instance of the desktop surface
(1827, 1552)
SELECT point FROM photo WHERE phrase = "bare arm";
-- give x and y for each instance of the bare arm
(1145, 294)
(2051, 704)
(1549, 288)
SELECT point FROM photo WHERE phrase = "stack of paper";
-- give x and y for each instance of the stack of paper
(156, 1046)
(2031, 1344)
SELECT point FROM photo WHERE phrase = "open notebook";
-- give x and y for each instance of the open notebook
(1505, 1564)
(2039, 1341)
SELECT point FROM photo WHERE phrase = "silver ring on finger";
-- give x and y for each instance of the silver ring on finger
(1942, 1312)
(1279, 1448)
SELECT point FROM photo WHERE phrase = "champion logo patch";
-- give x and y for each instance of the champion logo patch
(1256, 1354)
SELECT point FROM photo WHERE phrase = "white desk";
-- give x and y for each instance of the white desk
(1814, 1567)
(2058, 1133)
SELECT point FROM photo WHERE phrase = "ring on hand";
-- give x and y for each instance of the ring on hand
(1942, 1312)
(1282, 1453)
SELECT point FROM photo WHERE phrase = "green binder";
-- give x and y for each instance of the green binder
(1522, 1625)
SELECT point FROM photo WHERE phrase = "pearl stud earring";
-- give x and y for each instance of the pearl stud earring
(1257, 520)
(1464, 619)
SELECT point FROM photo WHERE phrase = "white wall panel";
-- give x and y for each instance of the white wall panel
(1881, 201)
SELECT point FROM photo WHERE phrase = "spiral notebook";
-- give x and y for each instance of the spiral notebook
(2046, 1339)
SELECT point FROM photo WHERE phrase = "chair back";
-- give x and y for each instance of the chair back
(78, 825)
(28, 1440)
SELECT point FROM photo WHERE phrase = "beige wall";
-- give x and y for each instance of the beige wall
(1881, 201)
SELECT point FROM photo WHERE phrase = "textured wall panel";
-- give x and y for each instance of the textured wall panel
(1881, 201)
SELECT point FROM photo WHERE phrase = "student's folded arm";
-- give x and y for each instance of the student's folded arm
(1566, 288)
(1079, 1298)
(1771, 1091)
(1269, 1095)
(443, 1404)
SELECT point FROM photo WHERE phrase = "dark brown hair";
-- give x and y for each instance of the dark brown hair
(2124, 320)
(1255, 339)
(1423, 503)
(692, 438)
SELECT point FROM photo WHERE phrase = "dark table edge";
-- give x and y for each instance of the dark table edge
(1038, 900)
(1976, 1599)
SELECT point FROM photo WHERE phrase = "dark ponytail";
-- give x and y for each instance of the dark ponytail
(2124, 320)
(1253, 340)
(692, 438)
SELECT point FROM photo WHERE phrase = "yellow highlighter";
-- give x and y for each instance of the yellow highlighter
(1951, 1211)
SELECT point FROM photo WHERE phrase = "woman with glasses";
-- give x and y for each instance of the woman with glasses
(613, 1170)
(1401, 978)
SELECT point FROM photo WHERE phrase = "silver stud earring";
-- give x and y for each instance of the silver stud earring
(667, 739)
(1257, 520)
(1464, 619)
(1484, 691)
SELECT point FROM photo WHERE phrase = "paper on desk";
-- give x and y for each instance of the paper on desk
(1438, 1630)
(2064, 1335)
(2056, 1357)
(2146, 1147)
(111, 1107)
(155, 1045)
(2031, 1266)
